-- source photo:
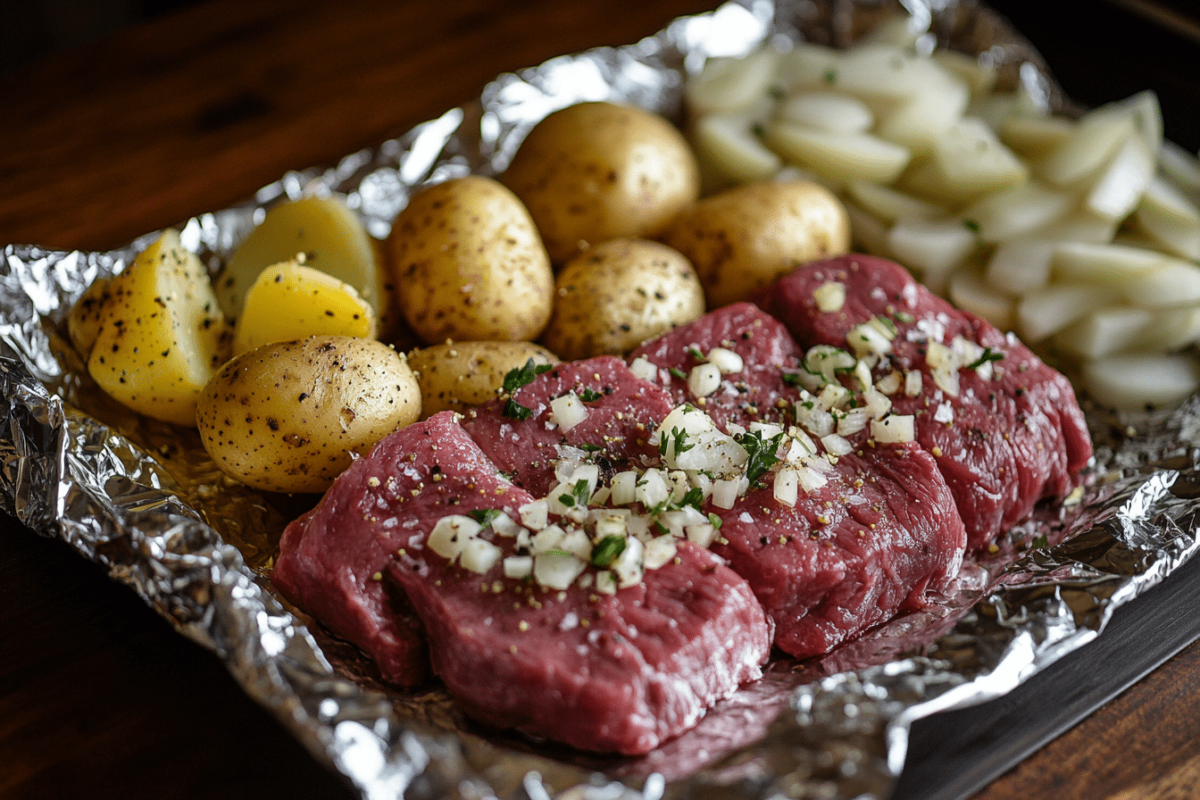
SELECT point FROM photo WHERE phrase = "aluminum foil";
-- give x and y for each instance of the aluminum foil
(145, 502)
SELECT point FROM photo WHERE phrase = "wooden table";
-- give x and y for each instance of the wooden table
(196, 110)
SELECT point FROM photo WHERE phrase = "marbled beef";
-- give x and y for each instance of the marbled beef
(1006, 431)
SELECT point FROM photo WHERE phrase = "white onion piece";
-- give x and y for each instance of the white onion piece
(567, 411)
(1140, 380)
(896, 428)
(557, 570)
(479, 555)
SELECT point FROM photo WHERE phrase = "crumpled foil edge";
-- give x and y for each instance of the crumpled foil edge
(68, 476)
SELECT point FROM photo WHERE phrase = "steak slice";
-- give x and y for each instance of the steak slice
(619, 671)
(757, 392)
(613, 673)
(331, 560)
(622, 412)
(872, 541)
(1005, 429)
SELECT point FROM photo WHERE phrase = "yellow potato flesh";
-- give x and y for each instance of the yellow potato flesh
(161, 333)
(291, 301)
(328, 233)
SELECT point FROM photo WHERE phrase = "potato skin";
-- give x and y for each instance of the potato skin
(468, 264)
(616, 295)
(745, 238)
(286, 416)
(456, 376)
(597, 171)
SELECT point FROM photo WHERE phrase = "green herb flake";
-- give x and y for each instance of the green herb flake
(761, 454)
(791, 379)
(830, 75)
(714, 520)
(972, 225)
(678, 373)
(605, 551)
(514, 379)
(588, 395)
(484, 516)
(988, 355)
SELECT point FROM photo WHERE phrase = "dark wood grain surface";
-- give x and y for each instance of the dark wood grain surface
(194, 111)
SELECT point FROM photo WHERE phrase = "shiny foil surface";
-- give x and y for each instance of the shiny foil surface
(148, 504)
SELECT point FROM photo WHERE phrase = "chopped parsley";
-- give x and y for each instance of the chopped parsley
(988, 355)
(605, 551)
(589, 395)
(589, 448)
(714, 520)
(484, 516)
(1040, 542)
(678, 373)
(791, 379)
(830, 75)
(761, 452)
(516, 378)
(695, 353)
(972, 225)
(578, 495)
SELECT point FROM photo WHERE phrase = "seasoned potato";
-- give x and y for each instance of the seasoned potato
(616, 295)
(161, 334)
(468, 264)
(457, 375)
(290, 301)
(328, 233)
(745, 238)
(83, 323)
(287, 416)
(597, 171)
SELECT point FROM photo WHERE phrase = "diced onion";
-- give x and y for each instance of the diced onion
(644, 369)
(704, 379)
(725, 492)
(896, 428)
(535, 514)
(830, 296)
(451, 534)
(518, 567)
(786, 485)
(727, 361)
(624, 488)
(556, 570)
(837, 445)
(659, 552)
(567, 411)
(479, 555)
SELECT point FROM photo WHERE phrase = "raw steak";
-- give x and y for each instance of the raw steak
(617, 672)
(1010, 435)
(869, 543)
(752, 395)
(331, 560)
(619, 421)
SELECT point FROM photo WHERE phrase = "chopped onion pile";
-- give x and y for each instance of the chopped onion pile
(1082, 235)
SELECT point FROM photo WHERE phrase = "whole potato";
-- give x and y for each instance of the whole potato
(286, 417)
(745, 238)
(612, 297)
(467, 263)
(597, 171)
(458, 375)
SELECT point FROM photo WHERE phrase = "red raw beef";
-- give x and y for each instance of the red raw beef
(752, 395)
(873, 541)
(619, 421)
(1016, 436)
(331, 560)
(617, 672)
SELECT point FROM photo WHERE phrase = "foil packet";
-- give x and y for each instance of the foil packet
(145, 501)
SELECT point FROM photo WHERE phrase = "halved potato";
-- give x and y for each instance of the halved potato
(161, 334)
(291, 301)
(328, 233)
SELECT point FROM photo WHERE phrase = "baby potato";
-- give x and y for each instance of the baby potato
(747, 237)
(287, 416)
(612, 297)
(468, 264)
(328, 233)
(290, 301)
(161, 334)
(458, 375)
(597, 171)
